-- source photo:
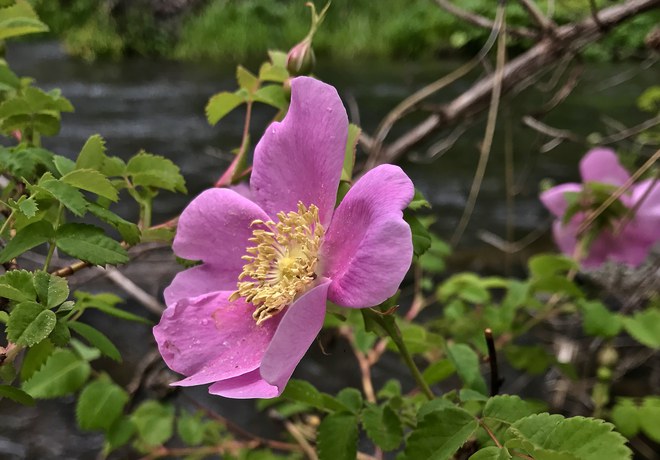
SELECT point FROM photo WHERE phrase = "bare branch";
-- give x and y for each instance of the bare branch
(546, 24)
(569, 39)
(480, 21)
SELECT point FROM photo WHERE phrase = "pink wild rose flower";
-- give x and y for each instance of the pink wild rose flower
(627, 241)
(243, 319)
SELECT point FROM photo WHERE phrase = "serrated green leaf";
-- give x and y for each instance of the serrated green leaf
(491, 453)
(418, 202)
(128, 230)
(27, 238)
(545, 265)
(466, 362)
(438, 371)
(351, 398)
(17, 285)
(626, 416)
(644, 327)
(16, 395)
(305, 392)
(26, 161)
(433, 405)
(506, 409)
(272, 95)
(154, 422)
(337, 437)
(19, 19)
(66, 194)
(92, 155)
(221, 104)
(60, 335)
(90, 243)
(35, 357)
(97, 339)
(92, 181)
(383, 426)
(149, 170)
(440, 434)
(63, 164)
(100, 403)
(106, 302)
(51, 290)
(190, 428)
(63, 373)
(599, 321)
(85, 352)
(270, 72)
(420, 235)
(553, 436)
(28, 207)
(246, 80)
(649, 416)
(113, 167)
(29, 323)
(121, 431)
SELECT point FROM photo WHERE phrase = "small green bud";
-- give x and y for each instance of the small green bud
(301, 59)
(608, 356)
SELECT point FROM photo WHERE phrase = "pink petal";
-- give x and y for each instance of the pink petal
(602, 165)
(208, 338)
(368, 247)
(199, 280)
(245, 386)
(300, 159)
(300, 325)
(555, 199)
(215, 228)
(647, 204)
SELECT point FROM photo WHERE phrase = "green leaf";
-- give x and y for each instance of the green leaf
(106, 302)
(337, 437)
(649, 416)
(626, 416)
(420, 235)
(51, 290)
(351, 398)
(349, 154)
(154, 422)
(466, 362)
(554, 437)
(27, 238)
(546, 265)
(66, 194)
(440, 434)
(190, 428)
(270, 72)
(19, 19)
(35, 357)
(149, 170)
(221, 104)
(246, 80)
(16, 395)
(491, 453)
(533, 359)
(97, 339)
(644, 327)
(28, 207)
(89, 243)
(438, 371)
(383, 426)
(599, 321)
(92, 181)
(272, 95)
(100, 403)
(128, 230)
(29, 323)
(63, 164)
(17, 285)
(87, 353)
(92, 155)
(305, 392)
(63, 373)
(506, 409)
(120, 433)
(113, 167)
(60, 335)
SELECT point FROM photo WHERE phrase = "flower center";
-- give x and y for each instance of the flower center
(282, 263)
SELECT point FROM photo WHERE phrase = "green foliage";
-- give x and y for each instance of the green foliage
(97, 339)
(154, 423)
(63, 373)
(30, 323)
(337, 437)
(16, 395)
(100, 404)
(630, 417)
(383, 426)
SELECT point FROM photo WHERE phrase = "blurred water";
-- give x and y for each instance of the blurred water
(159, 106)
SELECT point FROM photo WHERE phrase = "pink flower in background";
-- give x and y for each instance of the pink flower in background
(243, 319)
(628, 241)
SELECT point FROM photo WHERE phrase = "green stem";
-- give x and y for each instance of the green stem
(146, 213)
(52, 246)
(393, 331)
(4, 226)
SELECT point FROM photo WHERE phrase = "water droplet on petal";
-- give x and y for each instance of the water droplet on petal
(205, 322)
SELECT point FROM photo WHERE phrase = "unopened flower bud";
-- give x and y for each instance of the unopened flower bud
(301, 59)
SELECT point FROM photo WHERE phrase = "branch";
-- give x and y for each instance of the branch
(480, 21)
(569, 39)
(546, 24)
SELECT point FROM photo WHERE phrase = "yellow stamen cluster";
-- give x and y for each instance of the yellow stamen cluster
(282, 263)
